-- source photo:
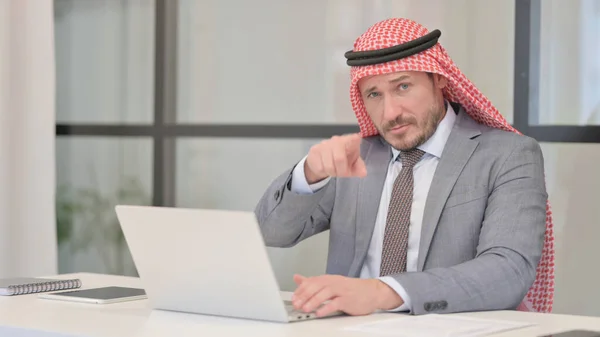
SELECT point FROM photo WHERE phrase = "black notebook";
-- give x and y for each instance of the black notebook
(18, 286)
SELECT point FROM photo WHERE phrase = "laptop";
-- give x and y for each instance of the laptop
(201, 261)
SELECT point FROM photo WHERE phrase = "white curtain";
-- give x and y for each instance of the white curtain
(27, 164)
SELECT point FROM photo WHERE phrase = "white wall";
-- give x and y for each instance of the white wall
(573, 185)
(27, 86)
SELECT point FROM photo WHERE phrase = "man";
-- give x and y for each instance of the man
(437, 206)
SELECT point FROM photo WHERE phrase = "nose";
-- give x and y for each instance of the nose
(391, 110)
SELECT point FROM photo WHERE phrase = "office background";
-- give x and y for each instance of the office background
(201, 103)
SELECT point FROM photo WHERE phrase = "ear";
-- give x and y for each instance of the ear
(440, 81)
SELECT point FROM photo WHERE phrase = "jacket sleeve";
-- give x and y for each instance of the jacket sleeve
(287, 217)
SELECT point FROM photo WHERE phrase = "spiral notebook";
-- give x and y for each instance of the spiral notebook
(19, 286)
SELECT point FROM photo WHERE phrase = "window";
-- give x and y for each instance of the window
(557, 96)
(165, 102)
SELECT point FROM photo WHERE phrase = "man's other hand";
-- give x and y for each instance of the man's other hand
(349, 295)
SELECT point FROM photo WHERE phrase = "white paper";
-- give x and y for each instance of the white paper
(436, 325)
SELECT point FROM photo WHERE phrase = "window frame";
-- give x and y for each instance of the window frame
(527, 83)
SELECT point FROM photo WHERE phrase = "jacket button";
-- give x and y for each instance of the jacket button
(277, 195)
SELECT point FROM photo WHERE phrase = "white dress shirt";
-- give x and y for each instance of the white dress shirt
(423, 175)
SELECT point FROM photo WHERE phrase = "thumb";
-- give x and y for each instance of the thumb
(299, 279)
(359, 169)
(353, 144)
(353, 148)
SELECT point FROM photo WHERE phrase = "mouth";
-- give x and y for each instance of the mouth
(398, 128)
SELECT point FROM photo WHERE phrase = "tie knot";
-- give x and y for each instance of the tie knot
(411, 158)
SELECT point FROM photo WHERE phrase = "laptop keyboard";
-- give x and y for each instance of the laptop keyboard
(301, 315)
(296, 313)
(290, 308)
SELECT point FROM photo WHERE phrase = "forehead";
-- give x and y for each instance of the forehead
(384, 78)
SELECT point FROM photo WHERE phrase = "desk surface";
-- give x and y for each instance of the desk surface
(28, 315)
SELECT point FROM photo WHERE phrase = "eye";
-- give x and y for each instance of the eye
(373, 95)
(404, 86)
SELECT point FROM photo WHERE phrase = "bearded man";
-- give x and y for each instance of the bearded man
(437, 206)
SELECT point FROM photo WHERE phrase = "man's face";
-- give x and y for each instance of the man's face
(406, 107)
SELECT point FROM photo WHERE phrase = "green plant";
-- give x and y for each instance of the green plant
(86, 219)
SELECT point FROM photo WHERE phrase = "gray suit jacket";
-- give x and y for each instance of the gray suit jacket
(483, 226)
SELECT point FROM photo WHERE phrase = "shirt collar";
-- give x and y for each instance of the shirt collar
(435, 144)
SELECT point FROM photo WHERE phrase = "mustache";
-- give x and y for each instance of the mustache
(400, 120)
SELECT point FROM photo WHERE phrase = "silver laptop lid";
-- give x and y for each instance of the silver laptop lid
(202, 261)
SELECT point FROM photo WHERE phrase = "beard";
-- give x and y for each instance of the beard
(411, 140)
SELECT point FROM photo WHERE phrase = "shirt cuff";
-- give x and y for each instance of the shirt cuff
(392, 283)
(299, 183)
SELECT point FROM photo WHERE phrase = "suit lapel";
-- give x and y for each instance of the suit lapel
(457, 151)
(377, 159)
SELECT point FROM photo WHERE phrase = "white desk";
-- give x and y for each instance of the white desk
(27, 315)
